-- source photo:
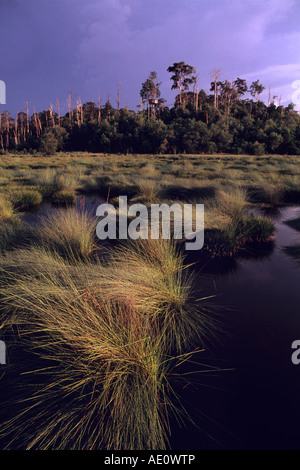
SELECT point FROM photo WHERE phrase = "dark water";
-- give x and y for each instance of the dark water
(257, 405)
(254, 402)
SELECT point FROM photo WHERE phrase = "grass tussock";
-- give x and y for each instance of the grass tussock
(71, 232)
(148, 191)
(24, 199)
(231, 203)
(63, 198)
(6, 209)
(104, 374)
(236, 235)
(153, 274)
(51, 181)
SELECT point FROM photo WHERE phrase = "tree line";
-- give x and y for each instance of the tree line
(222, 120)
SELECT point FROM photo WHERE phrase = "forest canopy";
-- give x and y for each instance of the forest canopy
(230, 118)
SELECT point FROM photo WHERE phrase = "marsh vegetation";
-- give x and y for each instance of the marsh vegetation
(107, 325)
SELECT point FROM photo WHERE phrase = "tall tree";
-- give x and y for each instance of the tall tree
(182, 77)
(240, 86)
(214, 85)
(150, 92)
(256, 89)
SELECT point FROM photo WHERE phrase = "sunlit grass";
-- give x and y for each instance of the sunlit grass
(70, 232)
(104, 379)
(153, 274)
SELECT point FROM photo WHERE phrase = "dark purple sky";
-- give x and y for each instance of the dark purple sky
(51, 47)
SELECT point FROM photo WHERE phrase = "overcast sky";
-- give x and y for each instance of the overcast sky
(51, 47)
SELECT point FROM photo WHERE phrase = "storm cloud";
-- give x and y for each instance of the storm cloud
(51, 47)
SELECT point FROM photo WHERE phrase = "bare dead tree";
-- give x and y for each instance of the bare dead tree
(1, 133)
(58, 112)
(7, 129)
(37, 123)
(196, 91)
(99, 109)
(79, 113)
(70, 103)
(215, 76)
(118, 98)
(51, 115)
(16, 131)
(27, 118)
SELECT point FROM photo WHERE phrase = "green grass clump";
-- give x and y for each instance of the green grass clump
(6, 209)
(148, 191)
(50, 181)
(231, 203)
(270, 194)
(63, 198)
(104, 376)
(149, 171)
(66, 182)
(237, 234)
(71, 232)
(188, 190)
(45, 181)
(292, 189)
(153, 275)
(24, 199)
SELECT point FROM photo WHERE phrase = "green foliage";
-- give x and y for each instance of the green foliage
(49, 143)
(234, 123)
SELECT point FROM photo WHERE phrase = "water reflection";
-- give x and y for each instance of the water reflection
(273, 213)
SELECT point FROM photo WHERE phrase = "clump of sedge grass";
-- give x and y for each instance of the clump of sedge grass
(51, 181)
(148, 191)
(237, 234)
(270, 194)
(63, 198)
(6, 209)
(103, 378)
(148, 171)
(152, 272)
(23, 199)
(231, 203)
(71, 232)
(292, 189)
(45, 181)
